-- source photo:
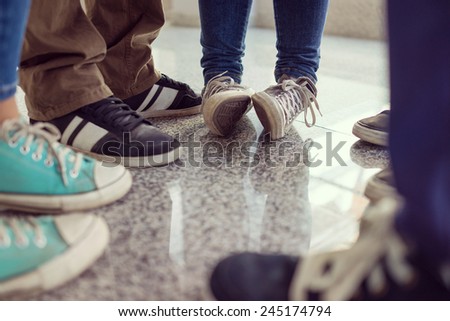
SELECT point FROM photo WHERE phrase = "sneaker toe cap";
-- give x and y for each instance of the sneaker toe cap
(108, 175)
(74, 227)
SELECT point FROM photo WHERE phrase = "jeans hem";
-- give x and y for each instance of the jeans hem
(294, 73)
(8, 90)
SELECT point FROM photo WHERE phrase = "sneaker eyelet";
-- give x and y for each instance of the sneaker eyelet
(24, 150)
(74, 174)
(36, 157)
(40, 242)
(22, 242)
(5, 242)
(48, 163)
(12, 143)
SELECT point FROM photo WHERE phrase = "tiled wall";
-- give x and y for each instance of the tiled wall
(351, 18)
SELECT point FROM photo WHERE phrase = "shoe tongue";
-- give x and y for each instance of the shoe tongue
(300, 80)
(309, 84)
(283, 78)
(112, 107)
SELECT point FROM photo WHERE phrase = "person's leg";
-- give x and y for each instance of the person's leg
(299, 26)
(32, 249)
(64, 85)
(37, 173)
(420, 118)
(129, 28)
(408, 262)
(13, 17)
(224, 26)
(58, 69)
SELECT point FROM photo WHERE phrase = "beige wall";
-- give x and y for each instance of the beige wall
(350, 18)
(356, 18)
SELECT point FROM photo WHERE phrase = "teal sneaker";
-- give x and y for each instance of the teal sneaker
(39, 254)
(39, 174)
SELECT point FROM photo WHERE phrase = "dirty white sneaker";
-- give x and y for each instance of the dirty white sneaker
(279, 105)
(224, 103)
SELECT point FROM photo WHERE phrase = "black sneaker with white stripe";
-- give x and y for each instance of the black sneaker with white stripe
(109, 130)
(166, 98)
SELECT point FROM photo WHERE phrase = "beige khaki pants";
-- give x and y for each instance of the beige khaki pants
(72, 58)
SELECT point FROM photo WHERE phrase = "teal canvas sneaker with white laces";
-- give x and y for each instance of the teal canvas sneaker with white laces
(41, 253)
(39, 174)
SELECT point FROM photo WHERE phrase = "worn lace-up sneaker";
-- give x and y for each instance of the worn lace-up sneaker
(39, 174)
(381, 185)
(40, 254)
(373, 129)
(279, 105)
(380, 266)
(109, 130)
(166, 98)
(224, 104)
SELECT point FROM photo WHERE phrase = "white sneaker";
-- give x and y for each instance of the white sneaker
(224, 104)
(279, 105)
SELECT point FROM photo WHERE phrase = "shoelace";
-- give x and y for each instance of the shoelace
(339, 275)
(220, 83)
(45, 135)
(296, 97)
(115, 112)
(19, 226)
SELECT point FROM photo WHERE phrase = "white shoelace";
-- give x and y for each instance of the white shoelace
(45, 135)
(296, 98)
(221, 83)
(19, 226)
(338, 275)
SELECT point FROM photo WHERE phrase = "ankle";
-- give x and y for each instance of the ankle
(8, 109)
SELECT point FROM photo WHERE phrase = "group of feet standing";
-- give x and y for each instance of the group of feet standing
(90, 83)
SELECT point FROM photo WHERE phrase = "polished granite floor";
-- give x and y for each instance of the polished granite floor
(242, 193)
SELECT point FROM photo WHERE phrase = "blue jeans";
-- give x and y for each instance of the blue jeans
(299, 26)
(13, 17)
(420, 122)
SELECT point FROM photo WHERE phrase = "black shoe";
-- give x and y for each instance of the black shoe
(166, 98)
(109, 130)
(373, 129)
(253, 277)
(378, 267)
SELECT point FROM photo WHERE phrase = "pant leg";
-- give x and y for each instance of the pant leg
(129, 28)
(299, 25)
(224, 27)
(420, 121)
(58, 69)
(13, 18)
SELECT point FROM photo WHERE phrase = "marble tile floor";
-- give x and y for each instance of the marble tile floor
(241, 193)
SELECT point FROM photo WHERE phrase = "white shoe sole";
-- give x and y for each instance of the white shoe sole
(62, 268)
(46, 204)
(136, 162)
(376, 190)
(223, 110)
(171, 113)
(269, 115)
(371, 135)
